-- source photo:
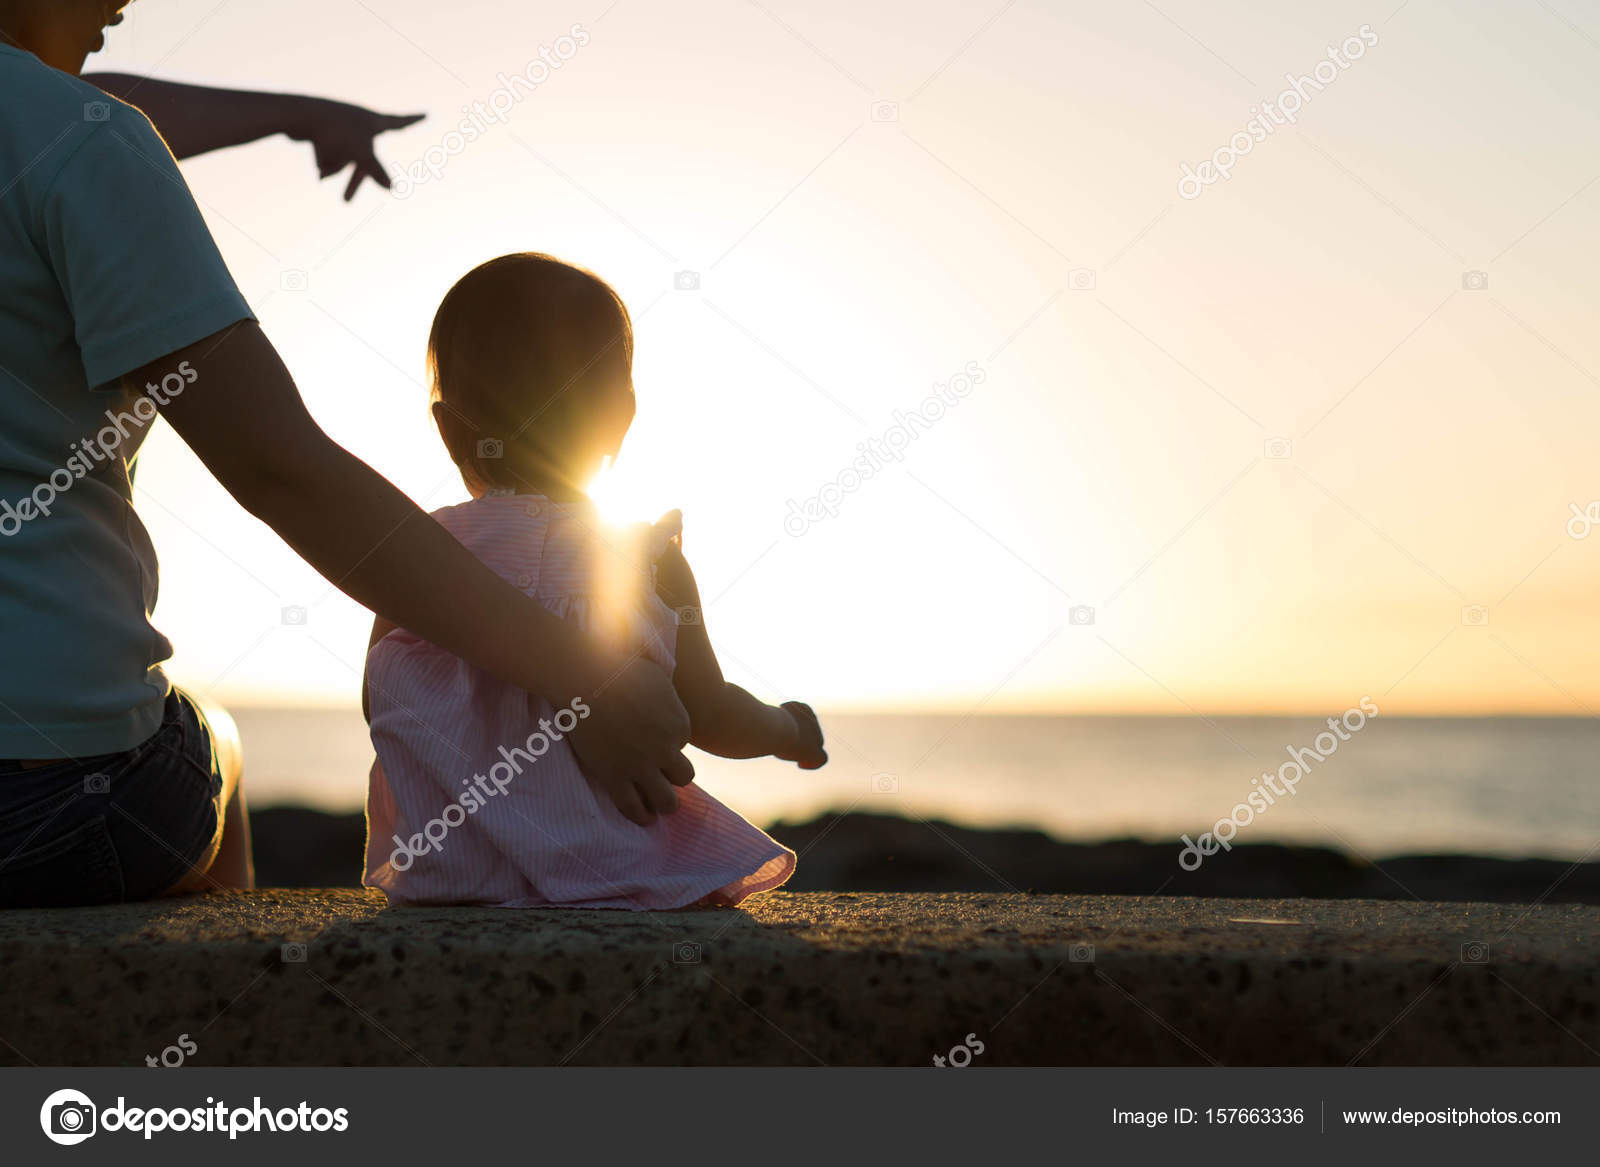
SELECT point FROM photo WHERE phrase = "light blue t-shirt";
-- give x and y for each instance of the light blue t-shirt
(105, 266)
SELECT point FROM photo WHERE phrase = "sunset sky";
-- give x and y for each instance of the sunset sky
(1277, 440)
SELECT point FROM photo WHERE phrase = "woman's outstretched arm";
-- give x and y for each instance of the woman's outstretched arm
(195, 119)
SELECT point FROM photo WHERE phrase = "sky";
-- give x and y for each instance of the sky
(1319, 429)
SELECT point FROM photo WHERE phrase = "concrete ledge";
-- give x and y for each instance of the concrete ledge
(807, 979)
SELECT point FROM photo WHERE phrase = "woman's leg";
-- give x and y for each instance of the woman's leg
(235, 865)
(229, 861)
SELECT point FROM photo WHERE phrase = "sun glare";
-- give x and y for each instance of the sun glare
(618, 497)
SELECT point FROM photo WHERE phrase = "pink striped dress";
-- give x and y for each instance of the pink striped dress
(477, 798)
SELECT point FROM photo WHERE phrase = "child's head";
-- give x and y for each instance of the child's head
(532, 368)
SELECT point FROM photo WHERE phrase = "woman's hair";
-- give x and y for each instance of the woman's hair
(533, 357)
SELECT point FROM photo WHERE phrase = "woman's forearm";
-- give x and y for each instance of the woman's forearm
(240, 412)
(244, 418)
(379, 548)
(196, 119)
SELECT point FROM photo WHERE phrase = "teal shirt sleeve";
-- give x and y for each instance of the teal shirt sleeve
(137, 264)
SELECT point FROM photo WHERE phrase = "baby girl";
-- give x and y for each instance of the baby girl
(476, 797)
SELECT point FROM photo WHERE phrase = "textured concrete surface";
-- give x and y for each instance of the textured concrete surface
(307, 978)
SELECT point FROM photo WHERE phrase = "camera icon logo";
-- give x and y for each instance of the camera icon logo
(491, 448)
(96, 784)
(1080, 614)
(1475, 616)
(686, 281)
(884, 784)
(686, 952)
(1081, 954)
(294, 280)
(292, 953)
(1081, 279)
(68, 1117)
(886, 111)
(689, 615)
(1277, 449)
(295, 616)
(97, 111)
(1475, 281)
(1475, 952)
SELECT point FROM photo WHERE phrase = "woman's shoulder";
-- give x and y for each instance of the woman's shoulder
(50, 118)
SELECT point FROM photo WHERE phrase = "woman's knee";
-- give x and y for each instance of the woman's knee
(206, 873)
(225, 741)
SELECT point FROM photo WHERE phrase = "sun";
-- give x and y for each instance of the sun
(613, 496)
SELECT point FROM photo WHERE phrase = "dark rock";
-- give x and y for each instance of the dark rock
(296, 847)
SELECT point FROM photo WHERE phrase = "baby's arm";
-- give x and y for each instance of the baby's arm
(724, 719)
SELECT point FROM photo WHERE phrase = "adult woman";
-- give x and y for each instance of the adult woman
(115, 306)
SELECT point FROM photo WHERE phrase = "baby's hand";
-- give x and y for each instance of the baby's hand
(807, 753)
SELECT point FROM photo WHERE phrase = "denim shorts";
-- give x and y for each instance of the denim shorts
(113, 828)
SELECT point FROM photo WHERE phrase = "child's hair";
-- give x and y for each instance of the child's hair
(532, 359)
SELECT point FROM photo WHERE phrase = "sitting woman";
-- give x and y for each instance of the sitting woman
(116, 306)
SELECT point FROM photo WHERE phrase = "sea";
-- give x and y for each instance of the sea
(1514, 787)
